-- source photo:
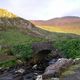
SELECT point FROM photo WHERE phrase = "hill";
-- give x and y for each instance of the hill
(8, 20)
(68, 24)
(15, 31)
(17, 35)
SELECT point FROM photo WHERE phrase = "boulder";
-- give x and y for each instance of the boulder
(55, 69)
(20, 71)
(53, 61)
(77, 61)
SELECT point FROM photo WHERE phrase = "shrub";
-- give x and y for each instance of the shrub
(22, 51)
(69, 47)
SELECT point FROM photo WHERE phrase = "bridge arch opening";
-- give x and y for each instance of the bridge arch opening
(44, 52)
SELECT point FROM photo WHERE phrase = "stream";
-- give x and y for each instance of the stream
(23, 72)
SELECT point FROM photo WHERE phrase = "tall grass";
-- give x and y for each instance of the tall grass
(69, 47)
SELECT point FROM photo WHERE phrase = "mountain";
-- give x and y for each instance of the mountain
(9, 20)
(58, 21)
(17, 36)
(12, 25)
(67, 24)
(16, 32)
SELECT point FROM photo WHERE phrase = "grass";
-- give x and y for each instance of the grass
(69, 47)
(12, 37)
(17, 41)
(70, 70)
(60, 29)
(6, 64)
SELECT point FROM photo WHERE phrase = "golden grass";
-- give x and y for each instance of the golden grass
(64, 29)
(4, 13)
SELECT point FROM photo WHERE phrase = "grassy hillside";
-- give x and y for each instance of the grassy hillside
(70, 48)
(5, 13)
(68, 24)
(17, 35)
(61, 29)
(12, 37)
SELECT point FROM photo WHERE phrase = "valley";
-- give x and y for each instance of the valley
(57, 42)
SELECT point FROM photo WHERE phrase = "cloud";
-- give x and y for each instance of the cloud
(41, 9)
(60, 8)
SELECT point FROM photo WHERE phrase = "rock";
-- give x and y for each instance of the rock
(72, 73)
(29, 76)
(54, 79)
(19, 62)
(52, 61)
(56, 54)
(39, 77)
(10, 76)
(1, 70)
(75, 76)
(6, 77)
(76, 61)
(54, 70)
(35, 66)
(20, 71)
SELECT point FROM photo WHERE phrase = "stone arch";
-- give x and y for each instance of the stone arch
(42, 47)
(41, 50)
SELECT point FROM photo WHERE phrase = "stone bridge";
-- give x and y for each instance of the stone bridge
(42, 47)
(41, 51)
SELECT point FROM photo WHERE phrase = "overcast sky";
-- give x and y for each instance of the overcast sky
(42, 9)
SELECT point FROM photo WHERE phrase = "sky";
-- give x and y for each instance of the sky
(42, 9)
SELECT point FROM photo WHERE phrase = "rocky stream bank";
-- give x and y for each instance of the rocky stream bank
(44, 67)
(45, 70)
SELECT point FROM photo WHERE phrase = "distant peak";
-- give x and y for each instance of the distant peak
(70, 17)
(5, 13)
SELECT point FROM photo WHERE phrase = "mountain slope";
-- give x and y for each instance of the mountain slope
(10, 21)
(15, 31)
(18, 34)
(68, 24)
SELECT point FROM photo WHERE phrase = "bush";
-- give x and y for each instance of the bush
(22, 51)
(69, 47)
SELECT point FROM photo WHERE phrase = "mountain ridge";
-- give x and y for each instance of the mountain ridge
(10, 20)
(57, 21)
(26, 26)
(67, 24)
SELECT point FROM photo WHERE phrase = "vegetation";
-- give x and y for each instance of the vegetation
(69, 47)
(6, 64)
(5, 13)
(71, 70)
(12, 37)
(22, 51)
(19, 45)
(68, 29)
